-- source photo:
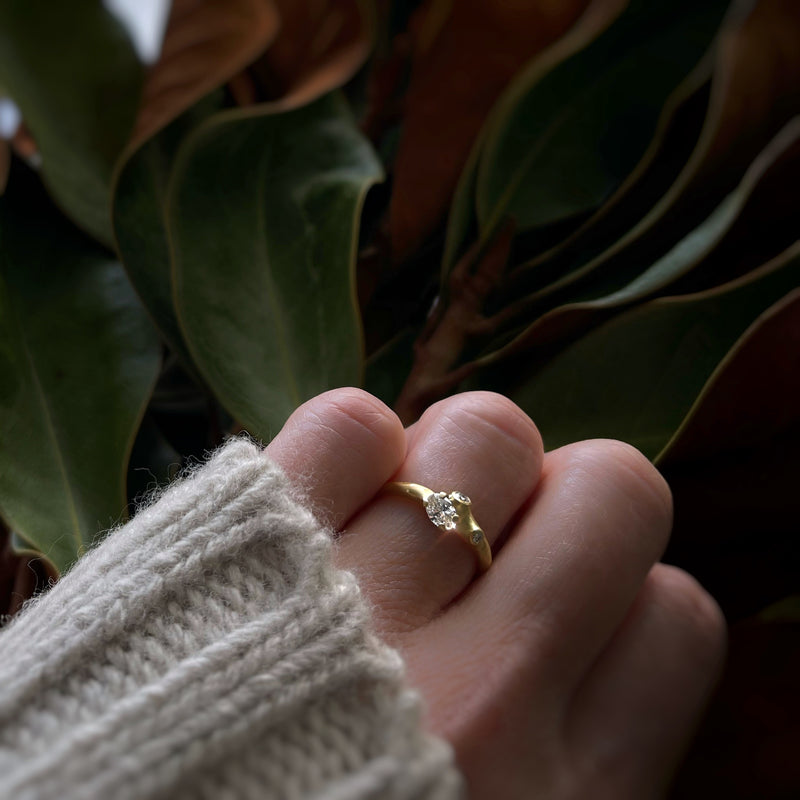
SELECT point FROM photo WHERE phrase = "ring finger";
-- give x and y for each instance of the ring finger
(478, 443)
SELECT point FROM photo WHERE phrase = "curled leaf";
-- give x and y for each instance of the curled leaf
(563, 139)
(756, 91)
(672, 145)
(206, 43)
(462, 218)
(321, 45)
(753, 224)
(754, 94)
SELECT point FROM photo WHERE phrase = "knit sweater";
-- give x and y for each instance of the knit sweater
(209, 649)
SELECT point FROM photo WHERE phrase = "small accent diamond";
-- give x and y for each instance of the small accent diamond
(462, 498)
(441, 511)
(476, 537)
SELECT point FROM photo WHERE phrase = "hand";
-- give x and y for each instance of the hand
(576, 666)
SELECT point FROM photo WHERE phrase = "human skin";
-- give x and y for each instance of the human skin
(577, 666)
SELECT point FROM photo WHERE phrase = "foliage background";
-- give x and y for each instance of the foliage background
(588, 206)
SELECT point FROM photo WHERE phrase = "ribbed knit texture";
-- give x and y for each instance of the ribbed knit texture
(209, 649)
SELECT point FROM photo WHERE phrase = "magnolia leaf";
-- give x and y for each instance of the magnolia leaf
(462, 59)
(673, 142)
(637, 376)
(263, 218)
(754, 94)
(138, 210)
(753, 396)
(732, 468)
(338, 49)
(321, 45)
(564, 139)
(72, 70)
(206, 43)
(79, 360)
(749, 227)
(462, 217)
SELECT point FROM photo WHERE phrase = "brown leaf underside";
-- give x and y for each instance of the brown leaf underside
(206, 43)
(321, 45)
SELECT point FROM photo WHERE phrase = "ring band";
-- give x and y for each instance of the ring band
(449, 511)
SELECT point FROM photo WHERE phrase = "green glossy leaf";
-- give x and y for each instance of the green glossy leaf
(263, 216)
(562, 141)
(462, 219)
(753, 96)
(79, 359)
(139, 208)
(750, 226)
(673, 143)
(73, 72)
(636, 376)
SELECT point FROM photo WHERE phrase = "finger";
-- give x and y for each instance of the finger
(338, 449)
(478, 443)
(575, 561)
(638, 706)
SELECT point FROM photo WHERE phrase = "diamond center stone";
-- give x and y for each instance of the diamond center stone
(441, 511)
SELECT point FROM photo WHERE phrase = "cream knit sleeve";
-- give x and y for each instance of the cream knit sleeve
(209, 649)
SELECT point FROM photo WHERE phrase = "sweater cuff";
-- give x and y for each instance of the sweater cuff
(209, 648)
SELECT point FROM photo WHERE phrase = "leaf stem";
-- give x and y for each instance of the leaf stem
(450, 329)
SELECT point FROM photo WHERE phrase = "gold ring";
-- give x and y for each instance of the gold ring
(449, 511)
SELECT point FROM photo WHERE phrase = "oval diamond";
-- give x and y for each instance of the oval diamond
(441, 511)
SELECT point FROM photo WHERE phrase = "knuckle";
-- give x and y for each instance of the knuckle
(631, 473)
(494, 418)
(692, 611)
